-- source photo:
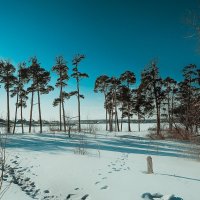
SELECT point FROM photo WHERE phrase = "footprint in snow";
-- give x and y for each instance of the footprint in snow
(104, 178)
(85, 197)
(104, 187)
(97, 182)
(14, 162)
(69, 196)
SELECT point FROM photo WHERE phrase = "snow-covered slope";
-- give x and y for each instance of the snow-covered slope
(99, 167)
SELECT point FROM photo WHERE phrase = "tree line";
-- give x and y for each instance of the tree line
(34, 80)
(176, 101)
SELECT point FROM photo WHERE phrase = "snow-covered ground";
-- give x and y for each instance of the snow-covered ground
(100, 127)
(100, 166)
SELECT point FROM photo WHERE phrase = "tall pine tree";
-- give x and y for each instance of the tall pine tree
(77, 75)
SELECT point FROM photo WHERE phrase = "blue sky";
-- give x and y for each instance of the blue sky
(115, 36)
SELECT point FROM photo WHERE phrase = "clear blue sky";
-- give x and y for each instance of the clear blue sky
(115, 35)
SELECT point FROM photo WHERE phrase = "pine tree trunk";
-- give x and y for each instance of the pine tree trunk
(110, 120)
(64, 121)
(158, 119)
(106, 119)
(63, 109)
(8, 111)
(169, 115)
(115, 104)
(79, 109)
(157, 109)
(60, 109)
(16, 108)
(138, 122)
(117, 121)
(106, 113)
(172, 111)
(60, 106)
(31, 112)
(60, 115)
(22, 122)
(121, 123)
(129, 123)
(196, 129)
(122, 117)
(39, 108)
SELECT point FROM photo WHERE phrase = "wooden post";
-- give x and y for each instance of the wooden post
(149, 165)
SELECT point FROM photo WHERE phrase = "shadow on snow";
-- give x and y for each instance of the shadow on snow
(53, 143)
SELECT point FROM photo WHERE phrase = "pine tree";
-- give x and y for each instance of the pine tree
(40, 79)
(20, 92)
(114, 84)
(78, 76)
(153, 88)
(7, 78)
(101, 85)
(142, 106)
(124, 99)
(61, 70)
(128, 78)
(170, 87)
(187, 112)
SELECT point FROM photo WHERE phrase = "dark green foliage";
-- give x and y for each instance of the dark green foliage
(40, 79)
(153, 89)
(128, 78)
(7, 78)
(20, 91)
(61, 70)
(78, 76)
(187, 111)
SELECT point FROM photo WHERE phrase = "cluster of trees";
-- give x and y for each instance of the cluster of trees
(34, 80)
(176, 102)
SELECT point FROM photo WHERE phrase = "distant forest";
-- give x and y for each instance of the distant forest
(177, 103)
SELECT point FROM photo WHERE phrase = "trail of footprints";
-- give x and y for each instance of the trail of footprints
(15, 174)
(116, 166)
